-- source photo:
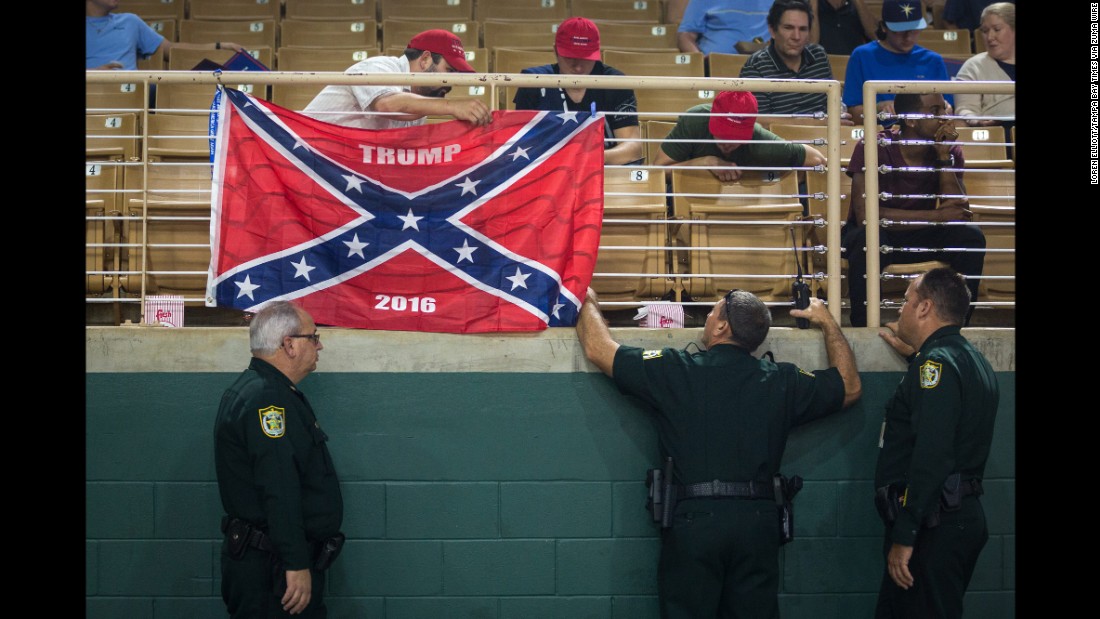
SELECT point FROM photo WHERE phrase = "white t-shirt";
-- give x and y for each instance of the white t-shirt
(353, 102)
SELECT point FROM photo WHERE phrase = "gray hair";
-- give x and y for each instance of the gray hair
(1004, 10)
(749, 318)
(270, 325)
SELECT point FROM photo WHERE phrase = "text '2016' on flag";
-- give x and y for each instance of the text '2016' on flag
(442, 227)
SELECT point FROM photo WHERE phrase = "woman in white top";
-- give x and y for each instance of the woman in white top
(998, 63)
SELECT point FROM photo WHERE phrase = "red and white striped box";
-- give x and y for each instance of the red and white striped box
(661, 316)
(164, 310)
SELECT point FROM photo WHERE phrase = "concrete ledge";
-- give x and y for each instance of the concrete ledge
(225, 349)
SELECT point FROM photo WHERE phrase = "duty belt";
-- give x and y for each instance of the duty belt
(726, 489)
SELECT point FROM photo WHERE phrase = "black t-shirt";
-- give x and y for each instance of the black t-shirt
(841, 30)
(619, 105)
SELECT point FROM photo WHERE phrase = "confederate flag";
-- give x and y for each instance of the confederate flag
(442, 227)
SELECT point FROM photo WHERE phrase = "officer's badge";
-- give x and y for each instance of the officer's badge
(273, 421)
(930, 374)
(650, 354)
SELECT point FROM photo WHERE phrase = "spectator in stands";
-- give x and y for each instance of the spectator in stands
(762, 148)
(997, 64)
(958, 14)
(390, 107)
(943, 178)
(718, 25)
(115, 40)
(894, 56)
(789, 55)
(577, 47)
(841, 25)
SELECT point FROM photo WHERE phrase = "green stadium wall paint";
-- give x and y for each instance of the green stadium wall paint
(484, 477)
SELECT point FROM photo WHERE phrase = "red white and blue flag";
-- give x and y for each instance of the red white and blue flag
(441, 227)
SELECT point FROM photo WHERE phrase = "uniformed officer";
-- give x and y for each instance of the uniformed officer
(935, 441)
(724, 416)
(277, 482)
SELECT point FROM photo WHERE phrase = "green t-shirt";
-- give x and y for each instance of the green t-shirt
(771, 151)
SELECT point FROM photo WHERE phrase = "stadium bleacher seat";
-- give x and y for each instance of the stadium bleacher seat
(737, 208)
(328, 33)
(648, 231)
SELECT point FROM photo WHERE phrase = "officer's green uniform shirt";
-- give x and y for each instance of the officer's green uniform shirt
(273, 465)
(939, 422)
(723, 414)
(766, 150)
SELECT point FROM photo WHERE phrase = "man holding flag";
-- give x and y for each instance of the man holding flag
(389, 107)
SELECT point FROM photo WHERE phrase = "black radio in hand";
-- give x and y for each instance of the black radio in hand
(800, 290)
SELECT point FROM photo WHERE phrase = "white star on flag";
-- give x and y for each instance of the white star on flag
(301, 269)
(519, 280)
(355, 247)
(410, 221)
(246, 288)
(354, 182)
(468, 186)
(465, 252)
(568, 116)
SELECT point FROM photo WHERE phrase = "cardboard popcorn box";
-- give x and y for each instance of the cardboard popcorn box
(164, 310)
(661, 316)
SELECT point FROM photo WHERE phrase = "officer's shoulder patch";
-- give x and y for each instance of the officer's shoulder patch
(651, 354)
(273, 421)
(930, 374)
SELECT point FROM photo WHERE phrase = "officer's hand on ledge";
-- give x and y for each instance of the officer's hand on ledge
(891, 337)
(817, 313)
(114, 65)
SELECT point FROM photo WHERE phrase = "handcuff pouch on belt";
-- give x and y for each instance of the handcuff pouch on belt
(240, 534)
(891, 498)
(785, 489)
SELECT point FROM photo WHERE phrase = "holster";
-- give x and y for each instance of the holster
(888, 502)
(891, 498)
(327, 551)
(785, 490)
(661, 499)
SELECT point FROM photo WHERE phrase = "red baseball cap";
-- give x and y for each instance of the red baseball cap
(444, 43)
(733, 127)
(578, 38)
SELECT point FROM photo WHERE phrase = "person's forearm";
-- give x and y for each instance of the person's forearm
(687, 42)
(595, 337)
(410, 106)
(843, 359)
(624, 152)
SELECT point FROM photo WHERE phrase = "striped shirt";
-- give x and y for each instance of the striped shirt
(766, 64)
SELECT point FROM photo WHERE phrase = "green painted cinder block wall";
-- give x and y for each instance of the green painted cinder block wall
(497, 495)
(484, 477)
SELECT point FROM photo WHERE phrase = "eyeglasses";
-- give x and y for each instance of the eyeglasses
(728, 298)
(313, 337)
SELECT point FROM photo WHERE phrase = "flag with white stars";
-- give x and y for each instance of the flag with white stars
(443, 227)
